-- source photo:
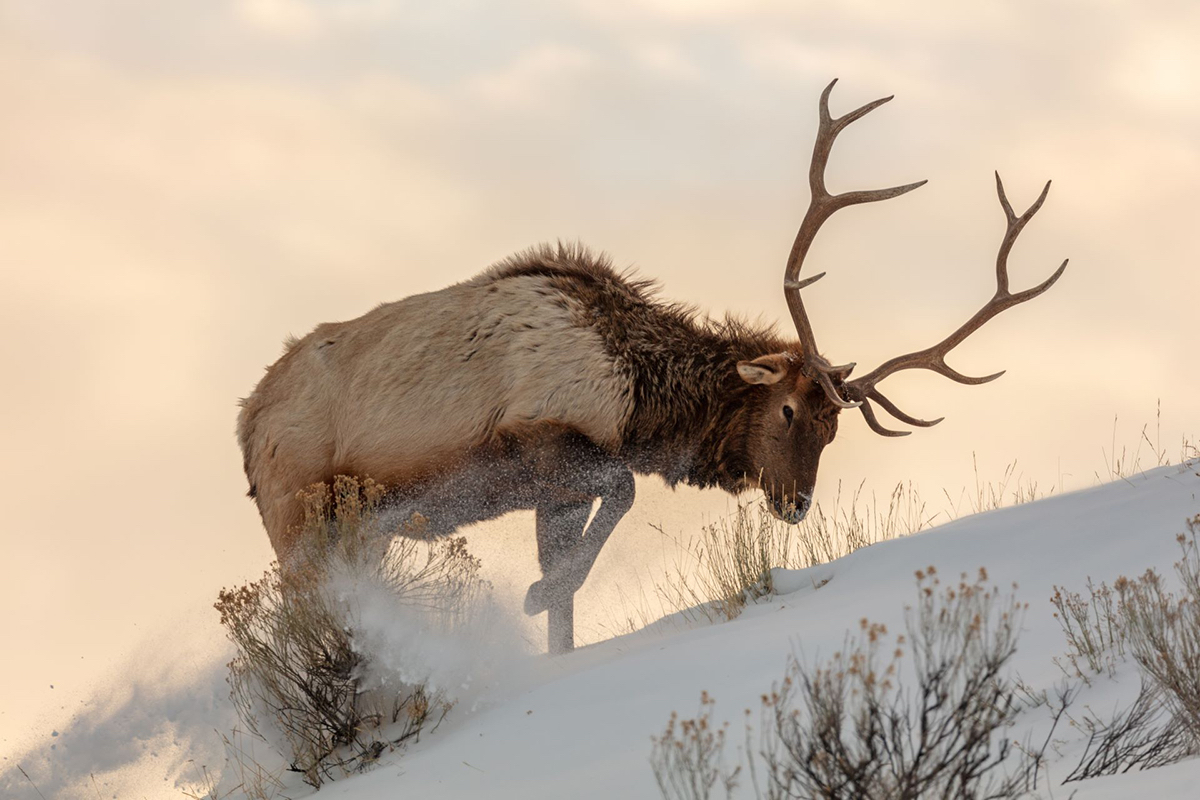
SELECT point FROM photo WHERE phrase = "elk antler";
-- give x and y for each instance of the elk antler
(934, 358)
(820, 208)
(861, 391)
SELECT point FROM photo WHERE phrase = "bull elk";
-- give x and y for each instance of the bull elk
(549, 380)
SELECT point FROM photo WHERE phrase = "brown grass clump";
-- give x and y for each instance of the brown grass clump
(730, 563)
(299, 678)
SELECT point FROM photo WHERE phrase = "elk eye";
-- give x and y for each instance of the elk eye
(788, 414)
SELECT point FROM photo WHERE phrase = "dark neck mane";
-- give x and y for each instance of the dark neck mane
(690, 408)
(692, 411)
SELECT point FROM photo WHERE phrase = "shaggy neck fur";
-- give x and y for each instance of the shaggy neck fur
(691, 411)
(693, 417)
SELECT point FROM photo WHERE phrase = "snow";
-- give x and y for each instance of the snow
(590, 729)
(580, 725)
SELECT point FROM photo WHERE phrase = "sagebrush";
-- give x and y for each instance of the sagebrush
(1159, 629)
(1140, 736)
(300, 679)
(1164, 630)
(920, 715)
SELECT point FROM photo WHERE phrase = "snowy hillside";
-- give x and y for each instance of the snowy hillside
(580, 726)
(586, 732)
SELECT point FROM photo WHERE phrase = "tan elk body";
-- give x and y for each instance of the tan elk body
(550, 379)
(408, 390)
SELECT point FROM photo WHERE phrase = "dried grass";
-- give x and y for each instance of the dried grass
(729, 564)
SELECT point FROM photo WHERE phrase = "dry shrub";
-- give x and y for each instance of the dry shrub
(848, 728)
(1142, 736)
(299, 679)
(688, 758)
(1094, 629)
(1163, 629)
(1160, 630)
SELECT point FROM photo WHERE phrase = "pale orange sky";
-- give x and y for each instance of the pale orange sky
(184, 184)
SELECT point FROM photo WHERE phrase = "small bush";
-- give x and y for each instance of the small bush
(1164, 631)
(847, 727)
(298, 679)
(1094, 629)
(1160, 630)
(688, 758)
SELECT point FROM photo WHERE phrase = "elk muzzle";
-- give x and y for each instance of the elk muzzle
(790, 509)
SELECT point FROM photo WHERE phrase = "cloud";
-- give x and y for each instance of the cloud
(529, 79)
(305, 20)
(288, 18)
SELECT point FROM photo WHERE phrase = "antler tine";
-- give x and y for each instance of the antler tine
(872, 421)
(934, 358)
(1015, 226)
(821, 206)
(892, 409)
(787, 284)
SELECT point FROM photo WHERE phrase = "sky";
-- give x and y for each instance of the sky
(184, 184)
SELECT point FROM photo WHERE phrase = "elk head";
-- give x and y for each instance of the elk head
(802, 392)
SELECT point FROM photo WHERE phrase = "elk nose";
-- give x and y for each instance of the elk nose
(793, 509)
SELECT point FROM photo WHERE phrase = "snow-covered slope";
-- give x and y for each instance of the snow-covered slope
(586, 733)
(580, 726)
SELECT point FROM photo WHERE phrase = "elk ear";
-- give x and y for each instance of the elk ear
(764, 369)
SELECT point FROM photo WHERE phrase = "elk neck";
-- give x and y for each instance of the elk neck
(692, 413)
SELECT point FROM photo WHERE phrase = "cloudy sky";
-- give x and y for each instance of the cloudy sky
(183, 184)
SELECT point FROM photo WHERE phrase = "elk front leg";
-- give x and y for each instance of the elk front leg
(581, 469)
(560, 527)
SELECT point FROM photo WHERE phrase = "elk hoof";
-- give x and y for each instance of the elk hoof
(537, 598)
